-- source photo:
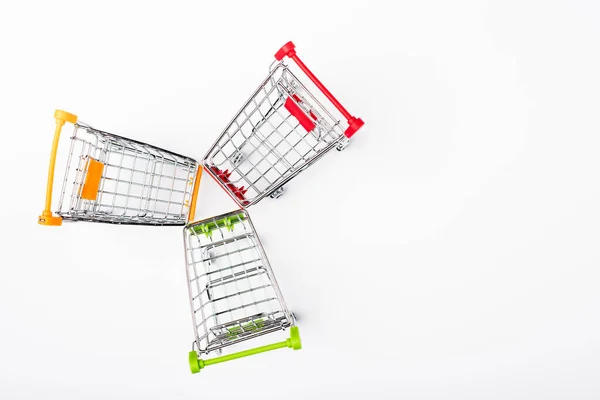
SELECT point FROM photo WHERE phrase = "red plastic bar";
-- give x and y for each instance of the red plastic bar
(297, 112)
(289, 49)
(224, 177)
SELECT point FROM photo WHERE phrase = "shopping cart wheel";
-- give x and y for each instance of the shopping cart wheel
(238, 157)
(277, 193)
(342, 144)
(294, 318)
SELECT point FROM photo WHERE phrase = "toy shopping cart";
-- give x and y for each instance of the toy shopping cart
(280, 131)
(113, 179)
(234, 296)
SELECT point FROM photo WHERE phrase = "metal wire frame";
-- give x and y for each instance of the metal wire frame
(264, 146)
(233, 293)
(141, 184)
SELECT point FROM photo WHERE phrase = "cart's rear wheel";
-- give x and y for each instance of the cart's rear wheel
(343, 144)
(294, 318)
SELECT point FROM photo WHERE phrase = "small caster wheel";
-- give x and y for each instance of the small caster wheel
(342, 144)
(277, 193)
(294, 318)
(206, 254)
(238, 157)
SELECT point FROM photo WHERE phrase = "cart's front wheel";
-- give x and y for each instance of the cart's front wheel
(238, 157)
(277, 193)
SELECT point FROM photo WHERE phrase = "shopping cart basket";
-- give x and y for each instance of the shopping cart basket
(280, 131)
(234, 296)
(113, 179)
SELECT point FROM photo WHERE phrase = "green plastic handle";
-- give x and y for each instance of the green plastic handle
(196, 364)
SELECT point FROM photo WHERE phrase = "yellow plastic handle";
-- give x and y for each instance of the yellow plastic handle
(47, 218)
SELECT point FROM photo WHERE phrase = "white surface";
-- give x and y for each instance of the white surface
(451, 251)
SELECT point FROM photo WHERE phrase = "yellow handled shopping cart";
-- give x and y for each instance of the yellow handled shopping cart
(113, 179)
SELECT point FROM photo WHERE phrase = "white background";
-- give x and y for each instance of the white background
(451, 252)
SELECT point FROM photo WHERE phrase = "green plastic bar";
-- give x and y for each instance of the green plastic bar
(226, 222)
(293, 342)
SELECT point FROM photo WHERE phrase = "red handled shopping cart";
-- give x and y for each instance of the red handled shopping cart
(281, 130)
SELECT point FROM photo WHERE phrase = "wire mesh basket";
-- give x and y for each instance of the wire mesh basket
(234, 296)
(280, 131)
(113, 179)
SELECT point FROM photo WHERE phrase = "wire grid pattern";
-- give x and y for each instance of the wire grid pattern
(265, 146)
(233, 293)
(140, 183)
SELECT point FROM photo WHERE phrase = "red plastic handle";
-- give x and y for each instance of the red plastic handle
(289, 49)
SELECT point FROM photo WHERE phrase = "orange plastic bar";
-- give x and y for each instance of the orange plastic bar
(92, 179)
(47, 218)
(192, 213)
